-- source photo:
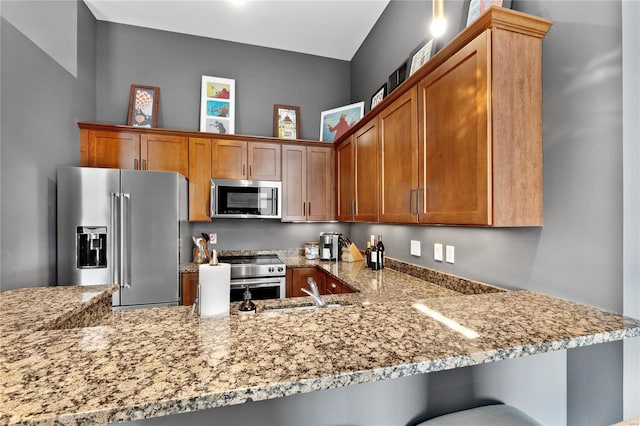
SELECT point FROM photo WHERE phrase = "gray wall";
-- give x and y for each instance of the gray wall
(236, 234)
(578, 253)
(41, 102)
(176, 63)
(631, 183)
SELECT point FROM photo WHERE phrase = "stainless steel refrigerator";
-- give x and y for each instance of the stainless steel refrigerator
(122, 227)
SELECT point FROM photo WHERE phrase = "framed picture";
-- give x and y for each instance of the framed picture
(478, 7)
(379, 96)
(286, 122)
(397, 77)
(217, 105)
(421, 56)
(335, 122)
(143, 106)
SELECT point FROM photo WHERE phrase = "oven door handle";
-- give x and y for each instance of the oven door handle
(253, 283)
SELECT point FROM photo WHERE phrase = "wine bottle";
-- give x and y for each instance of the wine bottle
(367, 254)
(374, 257)
(380, 248)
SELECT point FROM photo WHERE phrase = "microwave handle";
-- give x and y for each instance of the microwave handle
(212, 199)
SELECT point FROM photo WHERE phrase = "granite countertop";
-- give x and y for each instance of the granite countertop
(153, 362)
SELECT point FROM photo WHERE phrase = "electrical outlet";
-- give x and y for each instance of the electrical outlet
(437, 252)
(213, 238)
(450, 254)
(415, 248)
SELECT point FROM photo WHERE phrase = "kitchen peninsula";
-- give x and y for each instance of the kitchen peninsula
(170, 362)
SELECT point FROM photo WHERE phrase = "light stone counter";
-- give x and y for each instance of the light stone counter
(153, 362)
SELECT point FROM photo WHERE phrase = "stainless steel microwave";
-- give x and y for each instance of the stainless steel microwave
(232, 198)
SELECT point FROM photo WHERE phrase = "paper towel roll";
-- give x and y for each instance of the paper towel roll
(214, 298)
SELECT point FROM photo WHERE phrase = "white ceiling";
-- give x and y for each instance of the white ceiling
(329, 28)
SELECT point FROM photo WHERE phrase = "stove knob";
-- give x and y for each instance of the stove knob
(271, 269)
(280, 269)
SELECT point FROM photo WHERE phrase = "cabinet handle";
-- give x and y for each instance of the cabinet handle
(411, 201)
(250, 170)
(309, 208)
(304, 209)
(144, 164)
(333, 285)
(135, 164)
(244, 168)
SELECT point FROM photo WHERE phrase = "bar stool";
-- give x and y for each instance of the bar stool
(489, 415)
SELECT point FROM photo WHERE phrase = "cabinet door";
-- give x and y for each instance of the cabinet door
(113, 150)
(399, 160)
(454, 140)
(165, 153)
(228, 159)
(264, 161)
(320, 187)
(294, 183)
(366, 172)
(299, 281)
(345, 180)
(189, 287)
(199, 179)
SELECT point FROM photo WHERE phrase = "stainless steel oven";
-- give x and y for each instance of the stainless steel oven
(246, 199)
(263, 274)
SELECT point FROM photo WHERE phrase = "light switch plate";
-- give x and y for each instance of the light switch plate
(415, 248)
(437, 252)
(450, 254)
(213, 238)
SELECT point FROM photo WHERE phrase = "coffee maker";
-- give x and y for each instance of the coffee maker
(329, 245)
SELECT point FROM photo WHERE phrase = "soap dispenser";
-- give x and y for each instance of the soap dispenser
(247, 306)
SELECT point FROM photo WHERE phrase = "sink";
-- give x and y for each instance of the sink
(268, 310)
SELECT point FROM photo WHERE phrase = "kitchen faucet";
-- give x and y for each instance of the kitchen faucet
(314, 293)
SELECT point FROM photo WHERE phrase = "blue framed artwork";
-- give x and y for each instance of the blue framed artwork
(217, 105)
(336, 122)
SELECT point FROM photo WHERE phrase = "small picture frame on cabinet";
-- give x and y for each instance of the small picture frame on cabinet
(380, 94)
(286, 122)
(143, 106)
(474, 8)
(421, 55)
(397, 77)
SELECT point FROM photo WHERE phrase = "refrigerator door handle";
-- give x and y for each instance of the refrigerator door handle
(125, 240)
(115, 240)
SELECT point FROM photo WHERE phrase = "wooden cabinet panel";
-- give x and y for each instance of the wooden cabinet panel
(165, 153)
(307, 183)
(399, 160)
(455, 174)
(366, 186)
(228, 159)
(320, 186)
(264, 161)
(189, 287)
(231, 159)
(345, 180)
(299, 281)
(115, 150)
(199, 179)
(294, 183)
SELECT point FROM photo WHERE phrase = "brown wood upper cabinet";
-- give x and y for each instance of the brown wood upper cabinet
(481, 134)
(357, 175)
(135, 151)
(232, 159)
(399, 155)
(199, 179)
(345, 180)
(307, 183)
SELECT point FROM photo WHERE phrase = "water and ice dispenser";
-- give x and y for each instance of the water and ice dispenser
(91, 247)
